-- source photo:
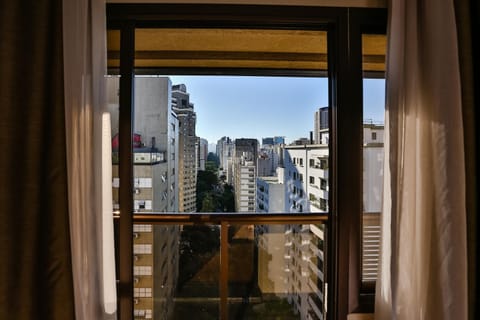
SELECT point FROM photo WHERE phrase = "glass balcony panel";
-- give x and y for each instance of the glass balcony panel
(276, 271)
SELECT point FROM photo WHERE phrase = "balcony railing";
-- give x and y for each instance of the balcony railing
(371, 246)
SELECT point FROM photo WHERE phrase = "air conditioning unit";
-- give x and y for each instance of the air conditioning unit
(135, 301)
(136, 235)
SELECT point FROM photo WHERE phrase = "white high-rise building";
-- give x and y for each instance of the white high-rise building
(306, 178)
(201, 146)
(272, 277)
(268, 160)
(306, 191)
(373, 137)
(187, 173)
(156, 190)
(245, 173)
(225, 150)
(320, 132)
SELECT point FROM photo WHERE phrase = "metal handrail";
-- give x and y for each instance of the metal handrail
(231, 218)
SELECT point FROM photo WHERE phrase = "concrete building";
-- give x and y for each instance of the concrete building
(246, 145)
(201, 147)
(271, 238)
(306, 178)
(290, 257)
(373, 157)
(306, 191)
(156, 190)
(320, 132)
(271, 193)
(245, 175)
(273, 141)
(225, 149)
(269, 159)
(187, 173)
(305, 269)
(245, 172)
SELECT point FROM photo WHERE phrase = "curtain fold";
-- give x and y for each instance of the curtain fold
(423, 268)
(35, 272)
(468, 29)
(90, 198)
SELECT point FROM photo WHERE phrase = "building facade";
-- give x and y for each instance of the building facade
(320, 132)
(245, 173)
(201, 153)
(225, 149)
(187, 173)
(155, 190)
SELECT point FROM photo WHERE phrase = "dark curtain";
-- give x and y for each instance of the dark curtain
(35, 268)
(468, 25)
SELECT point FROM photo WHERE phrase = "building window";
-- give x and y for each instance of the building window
(374, 136)
(323, 184)
(311, 180)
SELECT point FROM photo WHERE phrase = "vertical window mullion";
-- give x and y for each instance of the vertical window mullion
(224, 270)
(127, 51)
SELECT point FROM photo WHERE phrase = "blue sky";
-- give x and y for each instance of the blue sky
(256, 107)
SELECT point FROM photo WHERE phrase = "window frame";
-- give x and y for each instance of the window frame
(344, 26)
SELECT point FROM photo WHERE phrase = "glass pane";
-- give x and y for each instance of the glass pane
(226, 144)
(374, 47)
(176, 271)
(277, 272)
(259, 164)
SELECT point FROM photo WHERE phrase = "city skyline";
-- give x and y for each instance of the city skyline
(258, 107)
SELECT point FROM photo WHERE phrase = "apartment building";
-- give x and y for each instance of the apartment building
(187, 164)
(273, 141)
(306, 178)
(304, 182)
(155, 248)
(225, 149)
(245, 173)
(269, 158)
(320, 132)
(201, 147)
(272, 278)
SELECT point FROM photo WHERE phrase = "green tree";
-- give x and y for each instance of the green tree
(209, 203)
(227, 199)
(214, 158)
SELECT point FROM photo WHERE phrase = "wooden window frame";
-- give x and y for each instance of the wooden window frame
(345, 26)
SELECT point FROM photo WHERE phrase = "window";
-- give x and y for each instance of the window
(323, 184)
(373, 155)
(222, 229)
(311, 180)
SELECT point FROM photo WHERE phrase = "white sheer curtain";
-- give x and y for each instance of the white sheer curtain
(89, 173)
(423, 271)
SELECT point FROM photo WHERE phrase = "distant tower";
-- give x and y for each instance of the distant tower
(245, 173)
(321, 126)
(187, 173)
